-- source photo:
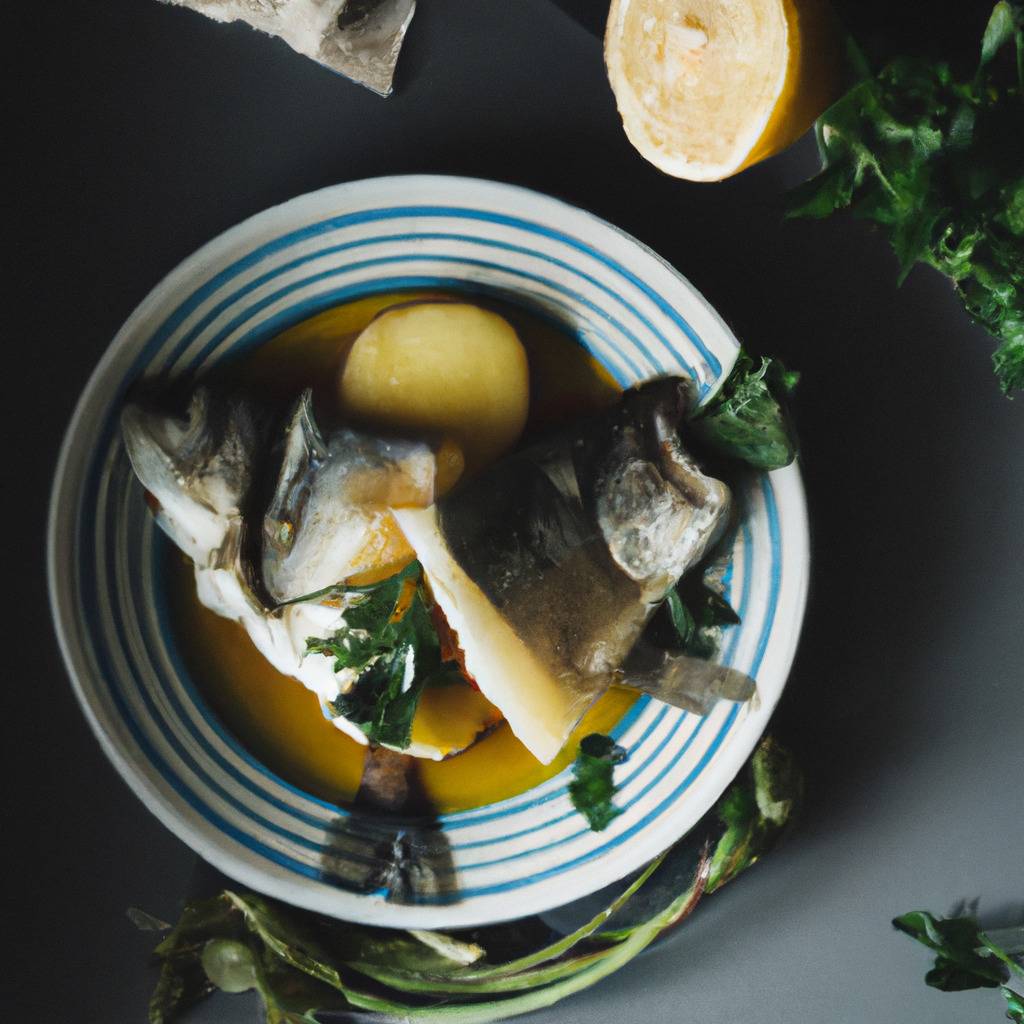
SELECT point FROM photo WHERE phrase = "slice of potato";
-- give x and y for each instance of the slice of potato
(445, 368)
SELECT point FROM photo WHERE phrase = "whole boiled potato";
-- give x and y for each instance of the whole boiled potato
(444, 368)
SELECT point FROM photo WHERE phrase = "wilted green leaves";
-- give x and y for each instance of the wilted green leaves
(301, 964)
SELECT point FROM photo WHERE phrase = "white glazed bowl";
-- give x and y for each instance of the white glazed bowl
(530, 853)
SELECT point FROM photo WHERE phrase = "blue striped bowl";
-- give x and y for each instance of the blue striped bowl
(640, 318)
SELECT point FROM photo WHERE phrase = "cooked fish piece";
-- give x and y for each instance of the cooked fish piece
(329, 518)
(549, 564)
(198, 467)
(201, 470)
(359, 39)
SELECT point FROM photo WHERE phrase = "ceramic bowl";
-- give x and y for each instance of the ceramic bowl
(524, 855)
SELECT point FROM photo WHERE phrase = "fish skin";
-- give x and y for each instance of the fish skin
(614, 509)
(204, 471)
(576, 540)
(331, 495)
(198, 467)
(658, 513)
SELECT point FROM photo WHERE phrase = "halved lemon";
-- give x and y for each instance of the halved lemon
(706, 88)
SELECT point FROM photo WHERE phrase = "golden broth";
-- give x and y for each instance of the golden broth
(275, 716)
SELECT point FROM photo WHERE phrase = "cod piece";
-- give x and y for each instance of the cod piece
(550, 563)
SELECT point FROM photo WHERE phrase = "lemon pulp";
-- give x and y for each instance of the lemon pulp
(706, 88)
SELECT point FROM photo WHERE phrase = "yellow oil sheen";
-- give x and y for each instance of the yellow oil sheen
(276, 717)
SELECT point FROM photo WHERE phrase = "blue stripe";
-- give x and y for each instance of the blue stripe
(326, 275)
(306, 308)
(210, 287)
(573, 813)
(304, 869)
(178, 317)
(208, 318)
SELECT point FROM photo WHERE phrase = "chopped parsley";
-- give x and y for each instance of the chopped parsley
(748, 418)
(389, 639)
(593, 787)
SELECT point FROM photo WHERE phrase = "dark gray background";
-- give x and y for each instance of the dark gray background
(142, 131)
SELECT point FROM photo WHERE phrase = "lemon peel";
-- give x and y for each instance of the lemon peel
(706, 88)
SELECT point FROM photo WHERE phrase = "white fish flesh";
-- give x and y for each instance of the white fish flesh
(329, 512)
(549, 564)
(200, 470)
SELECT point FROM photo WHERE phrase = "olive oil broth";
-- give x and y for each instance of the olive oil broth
(275, 716)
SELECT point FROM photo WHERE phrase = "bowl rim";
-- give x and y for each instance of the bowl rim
(61, 526)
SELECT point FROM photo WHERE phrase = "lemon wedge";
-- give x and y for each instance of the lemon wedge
(706, 88)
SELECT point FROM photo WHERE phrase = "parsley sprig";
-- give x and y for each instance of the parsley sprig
(938, 163)
(593, 787)
(388, 638)
(748, 419)
(967, 957)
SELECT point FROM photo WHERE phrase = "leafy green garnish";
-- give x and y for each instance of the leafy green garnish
(183, 980)
(748, 418)
(302, 964)
(697, 620)
(967, 957)
(388, 638)
(755, 814)
(939, 164)
(592, 787)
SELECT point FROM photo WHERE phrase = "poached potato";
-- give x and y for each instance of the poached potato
(446, 368)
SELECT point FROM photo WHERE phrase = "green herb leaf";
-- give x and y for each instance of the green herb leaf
(998, 32)
(754, 810)
(967, 957)
(388, 638)
(937, 164)
(698, 617)
(682, 618)
(1014, 1004)
(183, 981)
(748, 417)
(302, 964)
(592, 788)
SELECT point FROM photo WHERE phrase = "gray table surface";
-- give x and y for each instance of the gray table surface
(141, 131)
